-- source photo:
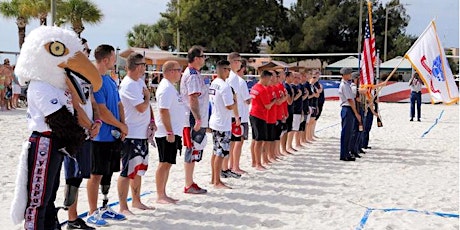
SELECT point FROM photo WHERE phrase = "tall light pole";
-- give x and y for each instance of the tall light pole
(53, 12)
(360, 29)
(177, 31)
(386, 29)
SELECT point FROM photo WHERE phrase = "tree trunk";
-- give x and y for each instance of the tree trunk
(21, 22)
(78, 29)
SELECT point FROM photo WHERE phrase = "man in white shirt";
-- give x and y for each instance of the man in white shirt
(170, 124)
(234, 59)
(195, 93)
(135, 98)
(222, 101)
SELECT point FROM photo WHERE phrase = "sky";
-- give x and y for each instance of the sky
(121, 15)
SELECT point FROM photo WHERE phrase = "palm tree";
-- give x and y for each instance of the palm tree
(77, 12)
(15, 9)
(142, 36)
(37, 9)
(162, 36)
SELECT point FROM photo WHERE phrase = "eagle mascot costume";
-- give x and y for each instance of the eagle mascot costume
(50, 61)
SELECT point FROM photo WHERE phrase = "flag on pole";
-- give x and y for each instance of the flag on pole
(429, 60)
(368, 55)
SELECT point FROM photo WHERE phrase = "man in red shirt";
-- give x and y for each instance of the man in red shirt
(261, 103)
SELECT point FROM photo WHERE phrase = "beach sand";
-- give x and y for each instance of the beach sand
(309, 190)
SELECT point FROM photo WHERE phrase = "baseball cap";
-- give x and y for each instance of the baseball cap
(237, 131)
(346, 70)
(355, 75)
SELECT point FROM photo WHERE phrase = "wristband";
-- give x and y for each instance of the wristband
(152, 120)
(98, 121)
(169, 133)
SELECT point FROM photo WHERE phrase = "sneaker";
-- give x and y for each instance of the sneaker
(109, 213)
(195, 189)
(233, 174)
(224, 174)
(97, 220)
(78, 224)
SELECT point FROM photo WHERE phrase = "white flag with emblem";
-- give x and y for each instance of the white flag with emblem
(429, 60)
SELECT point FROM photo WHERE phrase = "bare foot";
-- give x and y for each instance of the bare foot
(172, 199)
(240, 171)
(165, 200)
(126, 212)
(221, 186)
(142, 206)
(261, 168)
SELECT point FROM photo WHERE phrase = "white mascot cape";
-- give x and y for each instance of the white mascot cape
(50, 55)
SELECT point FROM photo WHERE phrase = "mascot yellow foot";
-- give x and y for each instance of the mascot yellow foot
(50, 60)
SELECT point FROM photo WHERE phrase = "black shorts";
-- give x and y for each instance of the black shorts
(167, 151)
(259, 128)
(278, 128)
(289, 122)
(302, 126)
(320, 110)
(314, 112)
(271, 132)
(106, 156)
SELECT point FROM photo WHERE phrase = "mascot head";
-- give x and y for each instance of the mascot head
(54, 55)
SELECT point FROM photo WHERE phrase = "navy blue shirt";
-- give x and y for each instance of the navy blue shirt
(297, 104)
(289, 91)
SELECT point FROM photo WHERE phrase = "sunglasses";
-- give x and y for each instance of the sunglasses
(87, 50)
(202, 56)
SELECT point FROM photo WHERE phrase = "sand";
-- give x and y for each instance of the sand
(309, 190)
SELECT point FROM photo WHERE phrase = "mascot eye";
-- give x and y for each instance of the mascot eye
(57, 49)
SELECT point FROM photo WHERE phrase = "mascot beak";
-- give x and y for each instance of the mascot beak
(79, 66)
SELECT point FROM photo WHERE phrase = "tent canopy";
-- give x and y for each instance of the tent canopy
(350, 62)
(273, 65)
(155, 57)
(391, 64)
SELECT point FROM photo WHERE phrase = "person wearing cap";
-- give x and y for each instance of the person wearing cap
(170, 124)
(223, 101)
(348, 114)
(235, 64)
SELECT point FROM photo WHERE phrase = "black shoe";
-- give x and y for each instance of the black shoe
(368, 147)
(78, 224)
(356, 155)
(233, 174)
(412, 119)
(348, 159)
(362, 151)
(419, 120)
(224, 174)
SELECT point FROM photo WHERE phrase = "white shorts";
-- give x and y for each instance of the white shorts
(296, 120)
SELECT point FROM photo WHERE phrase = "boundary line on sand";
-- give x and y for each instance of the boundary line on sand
(330, 126)
(85, 214)
(432, 126)
(368, 212)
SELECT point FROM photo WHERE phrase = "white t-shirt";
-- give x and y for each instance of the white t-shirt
(131, 94)
(220, 96)
(192, 82)
(168, 98)
(243, 95)
(232, 80)
(44, 99)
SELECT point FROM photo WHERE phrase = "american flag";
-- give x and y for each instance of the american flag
(368, 57)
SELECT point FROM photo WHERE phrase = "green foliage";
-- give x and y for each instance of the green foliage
(141, 36)
(78, 12)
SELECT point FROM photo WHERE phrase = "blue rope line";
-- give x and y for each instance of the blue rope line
(330, 126)
(435, 123)
(364, 219)
(85, 214)
(369, 210)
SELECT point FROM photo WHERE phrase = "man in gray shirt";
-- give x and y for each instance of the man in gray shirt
(349, 113)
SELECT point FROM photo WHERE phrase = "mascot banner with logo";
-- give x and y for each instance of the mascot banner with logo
(429, 60)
